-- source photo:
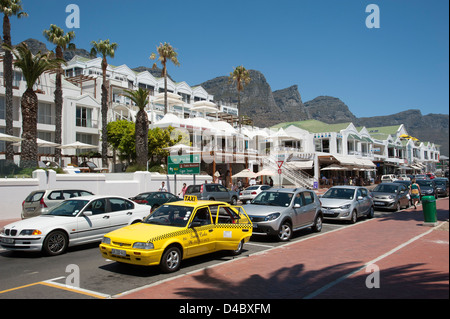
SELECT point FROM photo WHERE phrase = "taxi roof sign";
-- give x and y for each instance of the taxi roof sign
(190, 198)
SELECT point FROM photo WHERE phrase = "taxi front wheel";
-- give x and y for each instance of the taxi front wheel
(170, 260)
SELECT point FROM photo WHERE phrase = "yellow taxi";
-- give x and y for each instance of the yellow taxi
(179, 230)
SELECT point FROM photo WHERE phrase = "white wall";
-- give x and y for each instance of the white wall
(13, 191)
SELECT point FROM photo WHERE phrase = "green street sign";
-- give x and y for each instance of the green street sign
(184, 164)
(183, 159)
(183, 169)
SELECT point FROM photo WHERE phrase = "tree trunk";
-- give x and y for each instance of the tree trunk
(8, 78)
(165, 90)
(58, 107)
(141, 136)
(104, 112)
(29, 105)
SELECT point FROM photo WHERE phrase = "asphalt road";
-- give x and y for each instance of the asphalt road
(83, 273)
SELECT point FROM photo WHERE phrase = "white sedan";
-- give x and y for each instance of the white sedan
(75, 221)
(251, 192)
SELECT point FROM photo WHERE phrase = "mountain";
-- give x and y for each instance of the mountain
(268, 108)
(36, 46)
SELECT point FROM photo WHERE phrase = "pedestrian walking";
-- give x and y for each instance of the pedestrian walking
(183, 190)
(414, 191)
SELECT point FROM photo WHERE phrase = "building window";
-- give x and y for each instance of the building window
(84, 117)
(322, 145)
(45, 113)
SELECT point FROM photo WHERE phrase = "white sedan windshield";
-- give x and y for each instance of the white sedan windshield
(68, 208)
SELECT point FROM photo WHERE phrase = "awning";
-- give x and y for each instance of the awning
(301, 164)
(354, 162)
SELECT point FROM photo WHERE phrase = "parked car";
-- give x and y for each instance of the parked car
(442, 186)
(40, 201)
(155, 199)
(421, 176)
(213, 192)
(347, 203)
(251, 192)
(390, 196)
(280, 212)
(388, 178)
(73, 222)
(177, 231)
(427, 187)
(408, 185)
(403, 177)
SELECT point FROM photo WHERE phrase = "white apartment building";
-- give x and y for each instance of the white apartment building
(305, 148)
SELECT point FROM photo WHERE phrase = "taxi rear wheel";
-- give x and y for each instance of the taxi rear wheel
(170, 260)
(238, 251)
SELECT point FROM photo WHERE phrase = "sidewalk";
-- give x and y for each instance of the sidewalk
(410, 261)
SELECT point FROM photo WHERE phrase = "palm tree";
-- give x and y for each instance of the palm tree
(241, 77)
(140, 98)
(32, 68)
(62, 41)
(166, 53)
(105, 48)
(9, 8)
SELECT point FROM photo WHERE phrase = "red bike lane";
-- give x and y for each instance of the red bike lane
(394, 256)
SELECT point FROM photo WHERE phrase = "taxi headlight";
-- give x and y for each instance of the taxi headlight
(271, 217)
(139, 245)
(106, 240)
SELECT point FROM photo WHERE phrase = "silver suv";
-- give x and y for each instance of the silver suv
(40, 201)
(280, 212)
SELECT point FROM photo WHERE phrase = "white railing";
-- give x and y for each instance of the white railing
(289, 172)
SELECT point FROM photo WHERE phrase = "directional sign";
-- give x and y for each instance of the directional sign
(183, 164)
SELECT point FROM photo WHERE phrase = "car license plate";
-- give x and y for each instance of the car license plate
(7, 240)
(118, 252)
(379, 203)
(30, 209)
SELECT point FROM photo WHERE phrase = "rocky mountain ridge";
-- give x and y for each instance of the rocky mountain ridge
(268, 108)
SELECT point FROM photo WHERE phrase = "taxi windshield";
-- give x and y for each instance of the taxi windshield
(170, 215)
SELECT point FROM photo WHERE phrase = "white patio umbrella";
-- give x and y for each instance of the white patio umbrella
(182, 147)
(41, 143)
(9, 138)
(77, 145)
(245, 173)
(266, 172)
(334, 167)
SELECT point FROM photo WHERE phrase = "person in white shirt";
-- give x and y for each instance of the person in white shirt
(162, 188)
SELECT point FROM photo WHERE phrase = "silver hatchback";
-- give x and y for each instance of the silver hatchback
(280, 212)
(40, 201)
(347, 203)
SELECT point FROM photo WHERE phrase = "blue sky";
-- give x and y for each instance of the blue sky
(323, 46)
